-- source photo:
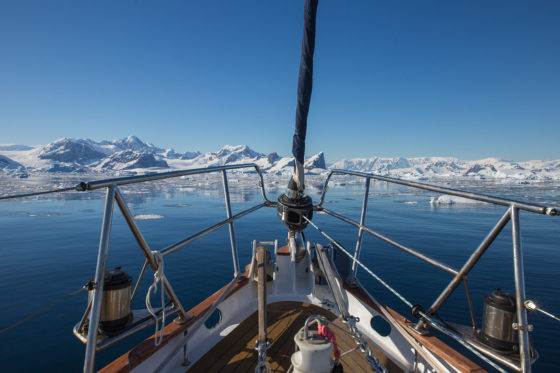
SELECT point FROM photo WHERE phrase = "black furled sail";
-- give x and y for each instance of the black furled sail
(305, 84)
(294, 207)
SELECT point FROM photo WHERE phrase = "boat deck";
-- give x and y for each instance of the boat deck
(236, 352)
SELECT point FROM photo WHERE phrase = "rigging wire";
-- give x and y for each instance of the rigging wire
(46, 308)
(38, 193)
(532, 306)
(435, 324)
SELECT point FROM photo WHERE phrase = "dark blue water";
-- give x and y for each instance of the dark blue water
(49, 248)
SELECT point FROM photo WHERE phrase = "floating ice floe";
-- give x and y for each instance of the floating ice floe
(177, 205)
(446, 200)
(39, 214)
(148, 217)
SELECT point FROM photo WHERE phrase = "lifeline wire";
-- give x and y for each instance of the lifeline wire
(363, 266)
(433, 323)
(38, 193)
(42, 310)
(532, 306)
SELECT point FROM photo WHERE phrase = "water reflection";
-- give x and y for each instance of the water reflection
(62, 230)
(244, 188)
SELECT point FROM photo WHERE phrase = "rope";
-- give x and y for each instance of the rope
(29, 317)
(38, 193)
(326, 332)
(262, 367)
(405, 301)
(159, 277)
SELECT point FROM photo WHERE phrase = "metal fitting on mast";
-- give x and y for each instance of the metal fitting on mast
(293, 206)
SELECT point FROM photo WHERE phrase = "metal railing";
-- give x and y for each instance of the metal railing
(511, 214)
(114, 194)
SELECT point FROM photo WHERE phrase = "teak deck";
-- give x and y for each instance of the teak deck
(247, 332)
(236, 352)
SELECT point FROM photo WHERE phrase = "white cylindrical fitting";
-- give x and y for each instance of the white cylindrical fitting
(313, 355)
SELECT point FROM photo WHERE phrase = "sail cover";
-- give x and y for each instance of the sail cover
(305, 82)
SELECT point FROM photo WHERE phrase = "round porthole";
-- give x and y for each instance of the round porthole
(214, 319)
(381, 326)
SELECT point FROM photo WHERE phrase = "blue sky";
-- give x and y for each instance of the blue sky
(469, 79)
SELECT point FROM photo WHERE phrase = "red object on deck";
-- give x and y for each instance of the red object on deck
(325, 331)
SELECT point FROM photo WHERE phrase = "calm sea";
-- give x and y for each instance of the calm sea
(49, 248)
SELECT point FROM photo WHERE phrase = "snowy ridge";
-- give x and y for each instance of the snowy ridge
(132, 155)
(442, 167)
(6, 162)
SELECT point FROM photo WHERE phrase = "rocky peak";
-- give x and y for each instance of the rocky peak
(71, 150)
(316, 161)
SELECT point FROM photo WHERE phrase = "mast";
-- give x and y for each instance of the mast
(305, 85)
(294, 205)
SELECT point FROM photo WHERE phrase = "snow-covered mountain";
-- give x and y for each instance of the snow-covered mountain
(132, 155)
(71, 150)
(443, 167)
(78, 155)
(131, 159)
(316, 162)
(7, 163)
(134, 143)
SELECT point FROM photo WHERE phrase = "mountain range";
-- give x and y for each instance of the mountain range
(132, 155)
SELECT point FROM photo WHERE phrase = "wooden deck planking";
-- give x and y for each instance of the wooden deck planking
(236, 352)
(144, 350)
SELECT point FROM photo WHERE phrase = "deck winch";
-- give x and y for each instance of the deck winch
(498, 317)
(115, 303)
(293, 206)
